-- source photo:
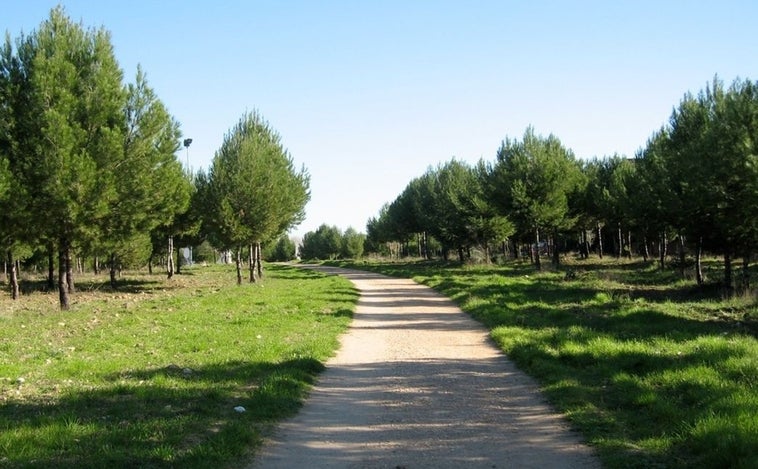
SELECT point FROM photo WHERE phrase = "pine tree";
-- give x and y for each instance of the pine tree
(254, 189)
(68, 129)
(533, 179)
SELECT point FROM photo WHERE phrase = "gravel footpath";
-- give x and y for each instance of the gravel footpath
(417, 383)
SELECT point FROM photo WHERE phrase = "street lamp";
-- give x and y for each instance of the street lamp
(187, 142)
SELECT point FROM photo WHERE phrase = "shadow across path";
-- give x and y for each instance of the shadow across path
(417, 383)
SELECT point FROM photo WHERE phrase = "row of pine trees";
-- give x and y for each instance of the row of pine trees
(693, 185)
(89, 166)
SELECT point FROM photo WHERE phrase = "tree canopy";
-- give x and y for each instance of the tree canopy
(254, 192)
(695, 181)
(90, 160)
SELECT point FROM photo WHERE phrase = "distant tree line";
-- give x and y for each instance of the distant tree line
(693, 186)
(328, 242)
(88, 167)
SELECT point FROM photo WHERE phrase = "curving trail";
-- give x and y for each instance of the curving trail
(417, 383)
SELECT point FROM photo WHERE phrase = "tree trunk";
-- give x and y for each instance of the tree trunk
(150, 264)
(746, 272)
(461, 256)
(556, 251)
(583, 252)
(259, 257)
(251, 262)
(728, 274)
(645, 251)
(682, 256)
(537, 249)
(619, 242)
(178, 261)
(698, 262)
(69, 271)
(552, 246)
(113, 270)
(662, 250)
(13, 276)
(599, 241)
(63, 254)
(50, 266)
(238, 262)
(170, 262)
(629, 244)
(96, 266)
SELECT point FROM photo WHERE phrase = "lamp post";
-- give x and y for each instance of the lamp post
(187, 142)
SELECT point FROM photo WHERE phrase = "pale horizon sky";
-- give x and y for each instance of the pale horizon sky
(368, 95)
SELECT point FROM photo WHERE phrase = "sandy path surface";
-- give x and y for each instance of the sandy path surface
(417, 383)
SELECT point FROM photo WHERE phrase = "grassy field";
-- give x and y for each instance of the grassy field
(654, 371)
(150, 375)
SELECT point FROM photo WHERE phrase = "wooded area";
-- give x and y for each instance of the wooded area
(694, 185)
(89, 167)
(89, 170)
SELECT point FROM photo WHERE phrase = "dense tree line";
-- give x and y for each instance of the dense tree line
(283, 250)
(694, 186)
(328, 242)
(88, 166)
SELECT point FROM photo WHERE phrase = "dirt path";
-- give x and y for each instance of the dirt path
(417, 383)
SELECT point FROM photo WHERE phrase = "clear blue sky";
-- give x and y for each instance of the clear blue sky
(367, 95)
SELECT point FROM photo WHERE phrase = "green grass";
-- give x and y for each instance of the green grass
(654, 371)
(150, 375)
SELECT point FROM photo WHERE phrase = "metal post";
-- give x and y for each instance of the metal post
(187, 142)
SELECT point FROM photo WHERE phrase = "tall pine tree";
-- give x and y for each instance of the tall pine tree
(68, 129)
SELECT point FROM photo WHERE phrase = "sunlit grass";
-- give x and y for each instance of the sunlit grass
(150, 375)
(652, 369)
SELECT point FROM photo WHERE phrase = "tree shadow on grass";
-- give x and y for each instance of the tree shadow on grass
(622, 399)
(292, 271)
(163, 417)
(101, 284)
(608, 369)
(598, 355)
(558, 296)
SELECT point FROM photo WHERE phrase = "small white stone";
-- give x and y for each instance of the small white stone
(239, 409)
(21, 380)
